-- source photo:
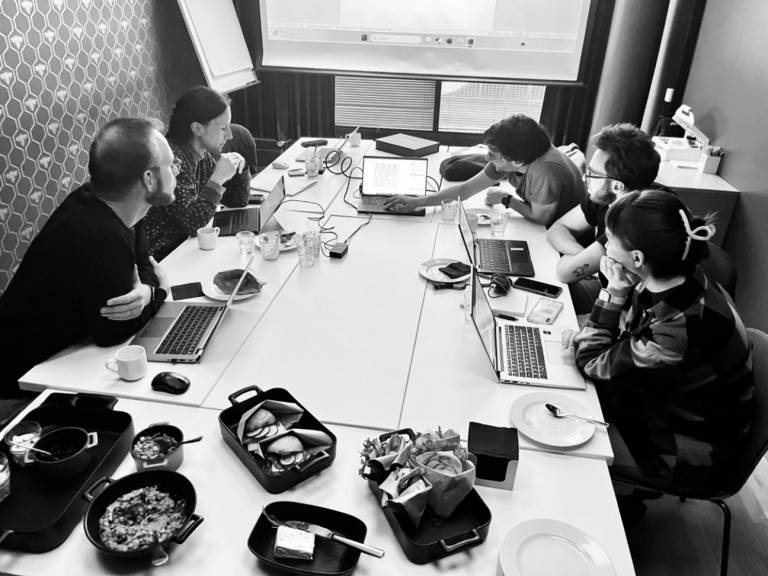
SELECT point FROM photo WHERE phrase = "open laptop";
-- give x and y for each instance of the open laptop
(495, 255)
(521, 352)
(388, 176)
(256, 220)
(179, 332)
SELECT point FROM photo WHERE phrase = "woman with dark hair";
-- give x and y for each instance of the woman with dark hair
(546, 182)
(675, 376)
(198, 129)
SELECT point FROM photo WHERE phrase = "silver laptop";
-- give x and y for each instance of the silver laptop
(258, 219)
(495, 255)
(180, 332)
(388, 176)
(520, 352)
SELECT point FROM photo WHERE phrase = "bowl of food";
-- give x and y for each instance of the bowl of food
(140, 514)
(63, 452)
(158, 446)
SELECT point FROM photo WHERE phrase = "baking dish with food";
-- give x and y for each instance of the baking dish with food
(42, 511)
(158, 446)
(67, 451)
(273, 483)
(128, 491)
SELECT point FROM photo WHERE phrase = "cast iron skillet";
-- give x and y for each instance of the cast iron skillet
(166, 481)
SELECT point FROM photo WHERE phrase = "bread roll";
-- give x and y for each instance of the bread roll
(259, 419)
(286, 445)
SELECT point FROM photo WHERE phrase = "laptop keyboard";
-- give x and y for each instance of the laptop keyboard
(525, 353)
(492, 256)
(184, 338)
(376, 200)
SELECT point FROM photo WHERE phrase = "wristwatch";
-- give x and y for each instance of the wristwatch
(605, 296)
(505, 200)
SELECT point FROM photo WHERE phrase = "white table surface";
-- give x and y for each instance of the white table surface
(686, 175)
(572, 490)
(340, 334)
(451, 381)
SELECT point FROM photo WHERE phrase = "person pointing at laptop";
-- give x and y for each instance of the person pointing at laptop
(546, 180)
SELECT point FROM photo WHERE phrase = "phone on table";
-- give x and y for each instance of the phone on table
(541, 288)
(545, 311)
(184, 291)
(296, 172)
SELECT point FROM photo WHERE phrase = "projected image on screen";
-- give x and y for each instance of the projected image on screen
(507, 39)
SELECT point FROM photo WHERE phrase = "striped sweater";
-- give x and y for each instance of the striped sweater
(675, 376)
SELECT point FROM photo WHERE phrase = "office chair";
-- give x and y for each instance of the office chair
(720, 267)
(753, 448)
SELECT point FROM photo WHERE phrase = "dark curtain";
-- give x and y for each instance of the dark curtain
(567, 110)
(284, 105)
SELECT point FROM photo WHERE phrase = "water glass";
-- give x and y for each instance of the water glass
(25, 433)
(312, 166)
(309, 248)
(5, 477)
(245, 241)
(449, 210)
(498, 223)
(269, 244)
(472, 221)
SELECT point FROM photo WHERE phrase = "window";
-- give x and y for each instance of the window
(413, 104)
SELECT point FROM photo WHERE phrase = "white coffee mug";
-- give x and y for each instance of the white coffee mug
(130, 363)
(354, 139)
(206, 237)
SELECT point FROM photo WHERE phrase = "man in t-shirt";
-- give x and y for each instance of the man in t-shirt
(624, 160)
(88, 274)
(546, 182)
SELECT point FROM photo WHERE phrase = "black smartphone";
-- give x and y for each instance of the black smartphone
(537, 287)
(184, 291)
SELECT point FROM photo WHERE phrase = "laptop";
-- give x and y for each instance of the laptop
(495, 255)
(521, 352)
(180, 332)
(257, 219)
(388, 176)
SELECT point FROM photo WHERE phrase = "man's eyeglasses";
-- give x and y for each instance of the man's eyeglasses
(492, 155)
(175, 167)
(589, 176)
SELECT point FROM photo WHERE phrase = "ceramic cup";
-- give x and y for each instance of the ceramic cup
(130, 363)
(206, 237)
(354, 139)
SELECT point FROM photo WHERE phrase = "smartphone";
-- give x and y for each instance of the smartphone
(184, 291)
(296, 172)
(545, 311)
(537, 287)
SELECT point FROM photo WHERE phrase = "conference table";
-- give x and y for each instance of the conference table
(365, 344)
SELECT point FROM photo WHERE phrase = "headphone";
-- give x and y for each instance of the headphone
(500, 285)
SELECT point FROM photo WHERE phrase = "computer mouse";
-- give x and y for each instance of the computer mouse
(170, 382)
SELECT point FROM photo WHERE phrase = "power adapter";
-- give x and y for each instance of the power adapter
(338, 250)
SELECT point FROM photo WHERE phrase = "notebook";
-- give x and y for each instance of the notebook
(387, 176)
(521, 352)
(257, 220)
(180, 332)
(495, 255)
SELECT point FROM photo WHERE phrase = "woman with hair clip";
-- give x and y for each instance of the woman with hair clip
(674, 376)
(198, 129)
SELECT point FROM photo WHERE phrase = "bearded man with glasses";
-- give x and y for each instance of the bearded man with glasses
(624, 160)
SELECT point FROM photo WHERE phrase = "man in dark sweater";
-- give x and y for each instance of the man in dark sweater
(87, 274)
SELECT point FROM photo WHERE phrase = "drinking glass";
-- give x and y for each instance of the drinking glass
(245, 240)
(449, 211)
(269, 243)
(498, 223)
(5, 477)
(312, 166)
(309, 248)
(25, 433)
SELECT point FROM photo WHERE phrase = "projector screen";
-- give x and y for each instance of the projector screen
(479, 39)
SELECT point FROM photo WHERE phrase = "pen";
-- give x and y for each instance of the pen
(309, 185)
(507, 317)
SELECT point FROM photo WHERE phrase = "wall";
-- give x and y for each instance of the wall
(728, 91)
(67, 67)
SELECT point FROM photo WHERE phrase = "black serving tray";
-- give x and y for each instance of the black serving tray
(42, 511)
(330, 558)
(230, 417)
(436, 537)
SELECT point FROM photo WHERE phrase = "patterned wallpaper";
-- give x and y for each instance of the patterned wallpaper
(66, 68)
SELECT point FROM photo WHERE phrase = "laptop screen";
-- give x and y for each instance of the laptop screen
(482, 316)
(466, 234)
(392, 176)
(272, 202)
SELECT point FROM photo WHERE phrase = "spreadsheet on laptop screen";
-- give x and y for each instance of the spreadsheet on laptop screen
(394, 176)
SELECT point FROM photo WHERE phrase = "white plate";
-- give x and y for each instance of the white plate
(430, 271)
(484, 215)
(532, 419)
(546, 547)
(283, 247)
(213, 292)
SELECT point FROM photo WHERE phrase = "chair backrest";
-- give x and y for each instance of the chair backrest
(720, 267)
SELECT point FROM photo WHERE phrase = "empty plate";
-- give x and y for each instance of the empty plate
(545, 547)
(431, 270)
(530, 416)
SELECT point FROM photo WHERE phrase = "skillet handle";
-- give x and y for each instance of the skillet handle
(183, 533)
(4, 533)
(233, 397)
(159, 555)
(407, 431)
(322, 457)
(471, 540)
(93, 401)
(88, 493)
